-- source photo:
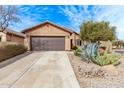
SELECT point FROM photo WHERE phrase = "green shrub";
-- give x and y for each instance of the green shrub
(74, 47)
(108, 59)
(77, 52)
(11, 50)
(115, 63)
(91, 54)
(114, 59)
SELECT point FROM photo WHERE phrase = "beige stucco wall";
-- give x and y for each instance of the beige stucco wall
(27, 42)
(77, 36)
(48, 30)
(74, 36)
(3, 36)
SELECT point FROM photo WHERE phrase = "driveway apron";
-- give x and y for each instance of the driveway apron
(50, 69)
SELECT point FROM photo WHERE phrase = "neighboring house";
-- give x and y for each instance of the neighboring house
(13, 36)
(49, 36)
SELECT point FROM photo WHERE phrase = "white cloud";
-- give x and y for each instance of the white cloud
(30, 16)
(45, 8)
(114, 14)
(25, 23)
(76, 15)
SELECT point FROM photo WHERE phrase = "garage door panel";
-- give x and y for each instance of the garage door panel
(48, 43)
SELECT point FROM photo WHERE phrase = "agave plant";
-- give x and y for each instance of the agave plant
(91, 54)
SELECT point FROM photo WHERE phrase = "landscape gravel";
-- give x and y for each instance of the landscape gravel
(91, 75)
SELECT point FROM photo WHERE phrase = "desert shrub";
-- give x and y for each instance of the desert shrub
(115, 63)
(74, 47)
(11, 50)
(7, 43)
(114, 58)
(107, 59)
(92, 54)
(77, 52)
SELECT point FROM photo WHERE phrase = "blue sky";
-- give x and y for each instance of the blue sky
(70, 16)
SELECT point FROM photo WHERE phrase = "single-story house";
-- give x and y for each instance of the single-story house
(50, 36)
(13, 36)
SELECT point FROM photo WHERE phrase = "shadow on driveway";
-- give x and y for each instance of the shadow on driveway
(14, 59)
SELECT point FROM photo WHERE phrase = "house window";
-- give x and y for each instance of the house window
(78, 42)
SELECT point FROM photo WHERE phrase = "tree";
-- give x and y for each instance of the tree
(8, 16)
(118, 43)
(91, 31)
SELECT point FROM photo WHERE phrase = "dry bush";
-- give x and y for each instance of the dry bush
(11, 50)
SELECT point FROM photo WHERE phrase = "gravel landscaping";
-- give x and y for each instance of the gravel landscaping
(91, 75)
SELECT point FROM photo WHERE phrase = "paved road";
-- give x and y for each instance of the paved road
(40, 69)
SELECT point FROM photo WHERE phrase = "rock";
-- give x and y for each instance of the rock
(110, 70)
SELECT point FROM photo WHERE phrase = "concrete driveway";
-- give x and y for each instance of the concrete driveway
(40, 69)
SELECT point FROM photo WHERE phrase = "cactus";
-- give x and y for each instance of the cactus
(91, 54)
(108, 59)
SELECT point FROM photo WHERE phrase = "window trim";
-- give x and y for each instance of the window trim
(78, 42)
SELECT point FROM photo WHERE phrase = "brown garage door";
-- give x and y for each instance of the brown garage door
(47, 43)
